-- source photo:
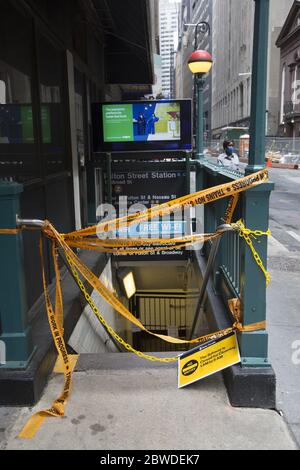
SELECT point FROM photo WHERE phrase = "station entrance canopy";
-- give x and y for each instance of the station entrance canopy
(127, 28)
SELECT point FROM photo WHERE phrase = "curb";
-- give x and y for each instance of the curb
(286, 166)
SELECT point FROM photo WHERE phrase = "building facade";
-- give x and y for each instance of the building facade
(193, 12)
(233, 23)
(56, 58)
(168, 20)
(289, 45)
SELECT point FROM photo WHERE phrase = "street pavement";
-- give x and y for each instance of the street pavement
(119, 402)
(283, 294)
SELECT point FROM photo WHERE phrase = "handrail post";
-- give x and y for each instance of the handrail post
(259, 87)
(254, 346)
(15, 333)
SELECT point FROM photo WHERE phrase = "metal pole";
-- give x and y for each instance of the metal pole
(259, 87)
(205, 29)
(199, 134)
(196, 36)
(210, 263)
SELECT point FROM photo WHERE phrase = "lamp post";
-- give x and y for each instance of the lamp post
(202, 27)
(200, 63)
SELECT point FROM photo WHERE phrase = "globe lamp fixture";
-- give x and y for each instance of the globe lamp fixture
(200, 62)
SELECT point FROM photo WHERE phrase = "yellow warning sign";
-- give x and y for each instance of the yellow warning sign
(210, 357)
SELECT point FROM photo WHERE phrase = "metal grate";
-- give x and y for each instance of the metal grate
(163, 313)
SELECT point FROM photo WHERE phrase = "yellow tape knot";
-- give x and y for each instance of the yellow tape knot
(236, 311)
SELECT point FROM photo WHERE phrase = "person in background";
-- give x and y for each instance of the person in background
(151, 124)
(229, 158)
(141, 123)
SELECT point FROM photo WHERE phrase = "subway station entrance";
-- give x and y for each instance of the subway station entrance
(141, 159)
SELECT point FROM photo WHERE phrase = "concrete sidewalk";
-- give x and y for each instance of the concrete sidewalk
(117, 406)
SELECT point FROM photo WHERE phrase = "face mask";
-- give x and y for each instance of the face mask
(229, 151)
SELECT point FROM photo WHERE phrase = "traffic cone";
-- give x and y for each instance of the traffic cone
(269, 162)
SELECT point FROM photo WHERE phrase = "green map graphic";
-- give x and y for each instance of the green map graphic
(118, 123)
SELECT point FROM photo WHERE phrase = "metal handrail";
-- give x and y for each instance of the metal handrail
(38, 224)
(35, 223)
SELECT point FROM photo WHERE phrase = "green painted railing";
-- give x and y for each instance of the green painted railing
(235, 273)
(15, 331)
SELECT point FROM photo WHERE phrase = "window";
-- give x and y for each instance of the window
(282, 93)
(241, 110)
(17, 136)
(295, 87)
(51, 66)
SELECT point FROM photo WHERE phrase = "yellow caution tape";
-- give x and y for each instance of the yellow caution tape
(167, 244)
(124, 343)
(125, 242)
(201, 197)
(93, 280)
(80, 239)
(59, 365)
(96, 283)
(58, 406)
(9, 231)
(58, 294)
(231, 208)
(235, 309)
(56, 321)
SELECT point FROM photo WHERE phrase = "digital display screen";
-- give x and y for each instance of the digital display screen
(141, 122)
(142, 125)
(16, 124)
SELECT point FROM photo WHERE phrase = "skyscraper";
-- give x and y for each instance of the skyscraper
(168, 15)
(232, 34)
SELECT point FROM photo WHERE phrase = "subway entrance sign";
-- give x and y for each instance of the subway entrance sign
(154, 229)
(141, 185)
(207, 358)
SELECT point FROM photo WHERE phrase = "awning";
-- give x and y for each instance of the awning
(127, 29)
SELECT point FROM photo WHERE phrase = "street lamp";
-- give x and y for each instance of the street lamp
(204, 28)
(200, 63)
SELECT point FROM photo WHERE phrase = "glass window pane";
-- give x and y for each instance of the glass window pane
(17, 149)
(80, 115)
(51, 67)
